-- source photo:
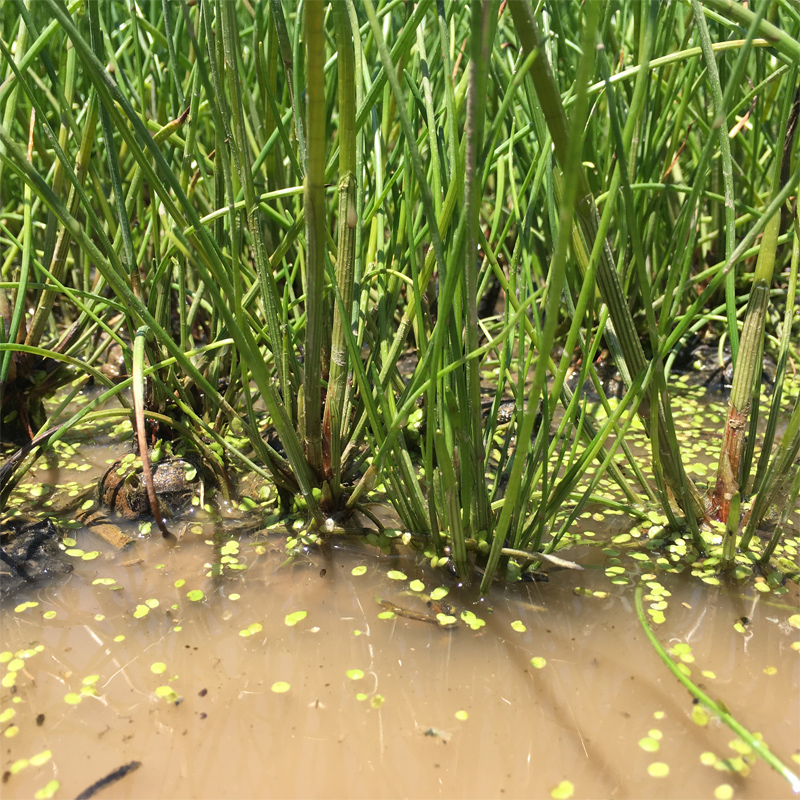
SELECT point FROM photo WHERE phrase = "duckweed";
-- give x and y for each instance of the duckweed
(649, 744)
(47, 791)
(563, 791)
(473, 621)
(296, 616)
(168, 693)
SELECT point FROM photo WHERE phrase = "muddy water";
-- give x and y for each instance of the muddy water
(438, 712)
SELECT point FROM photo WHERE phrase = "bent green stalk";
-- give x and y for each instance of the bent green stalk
(759, 747)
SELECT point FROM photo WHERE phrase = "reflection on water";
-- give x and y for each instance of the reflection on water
(150, 660)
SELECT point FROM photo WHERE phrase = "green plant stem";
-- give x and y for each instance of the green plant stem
(314, 203)
(758, 746)
(348, 220)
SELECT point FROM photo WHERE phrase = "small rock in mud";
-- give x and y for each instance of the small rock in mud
(175, 480)
(29, 552)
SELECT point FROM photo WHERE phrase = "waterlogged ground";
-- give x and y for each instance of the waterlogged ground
(220, 669)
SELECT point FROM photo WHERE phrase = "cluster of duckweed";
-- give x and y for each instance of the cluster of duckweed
(15, 667)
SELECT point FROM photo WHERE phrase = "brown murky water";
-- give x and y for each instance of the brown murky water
(438, 712)
(297, 679)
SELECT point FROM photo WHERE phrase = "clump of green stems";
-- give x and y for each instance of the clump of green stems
(278, 202)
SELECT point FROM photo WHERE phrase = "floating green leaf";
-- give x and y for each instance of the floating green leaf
(47, 791)
(167, 693)
(649, 745)
(563, 791)
(295, 617)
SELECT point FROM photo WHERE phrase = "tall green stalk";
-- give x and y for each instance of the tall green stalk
(608, 280)
(333, 423)
(747, 372)
(483, 14)
(314, 204)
